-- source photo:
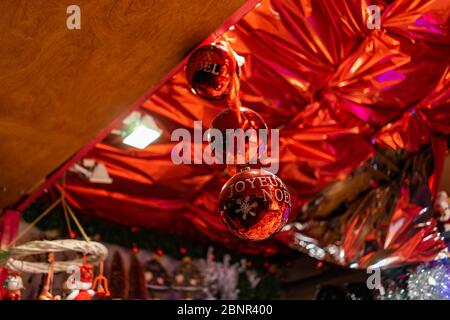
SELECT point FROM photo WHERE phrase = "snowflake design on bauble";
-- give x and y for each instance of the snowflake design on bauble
(245, 207)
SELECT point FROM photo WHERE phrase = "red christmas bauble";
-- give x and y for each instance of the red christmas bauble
(72, 234)
(249, 119)
(254, 204)
(209, 72)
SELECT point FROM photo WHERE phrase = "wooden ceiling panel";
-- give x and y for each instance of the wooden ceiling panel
(59, 88)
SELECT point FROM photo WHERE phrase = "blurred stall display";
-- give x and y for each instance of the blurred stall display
(156, 278)
(426, 281)
(187, 278)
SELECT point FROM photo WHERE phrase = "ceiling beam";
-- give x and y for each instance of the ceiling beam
(59, 88)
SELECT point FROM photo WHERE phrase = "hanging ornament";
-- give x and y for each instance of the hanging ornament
(183, 251)
(156, 276)
(187, 279)
(73, 234)
(245, 119)
(209, 71)
(254, 204)
(83, 283)
(46, 293)
(13, 285)
(101, 283)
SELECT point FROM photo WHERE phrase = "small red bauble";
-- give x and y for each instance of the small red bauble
(159, 252)
(249, 119)
(72, 234)
(254, 204)
(209, 72)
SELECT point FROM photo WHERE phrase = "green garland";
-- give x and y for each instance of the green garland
(268, 288)
(4, 254)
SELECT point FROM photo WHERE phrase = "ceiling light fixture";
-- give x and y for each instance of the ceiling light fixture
(95, 172)
(144, 130)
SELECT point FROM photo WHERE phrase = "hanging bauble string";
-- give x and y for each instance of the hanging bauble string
(46, 293)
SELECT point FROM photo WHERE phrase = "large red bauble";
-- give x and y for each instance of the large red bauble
(254, 204)
(209, 72)
(250, 119)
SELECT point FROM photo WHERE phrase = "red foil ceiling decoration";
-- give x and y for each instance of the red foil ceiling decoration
(343, 96)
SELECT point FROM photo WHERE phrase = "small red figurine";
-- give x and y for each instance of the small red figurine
(81, 283)
(13, 284)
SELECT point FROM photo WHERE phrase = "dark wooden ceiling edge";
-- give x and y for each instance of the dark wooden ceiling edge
(26, 197)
